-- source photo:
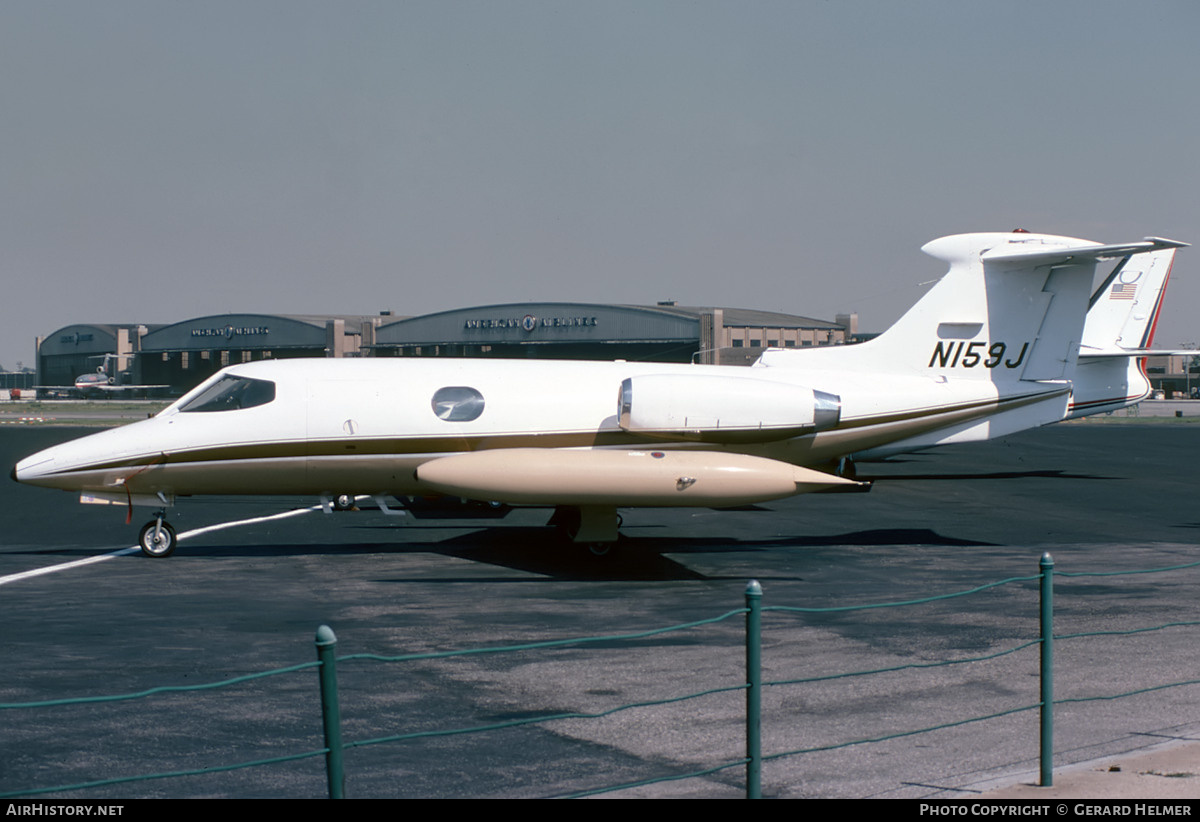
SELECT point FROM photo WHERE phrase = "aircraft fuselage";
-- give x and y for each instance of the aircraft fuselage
(366, 426)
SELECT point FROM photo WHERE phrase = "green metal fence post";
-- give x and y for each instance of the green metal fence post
(754, 690)
(330, 712)
(1047, 670)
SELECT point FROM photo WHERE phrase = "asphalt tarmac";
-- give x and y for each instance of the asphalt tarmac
(248, 598)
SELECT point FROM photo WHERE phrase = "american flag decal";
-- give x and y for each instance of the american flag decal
(1123, 291)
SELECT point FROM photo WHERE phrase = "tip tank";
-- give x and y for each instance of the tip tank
(538, 476)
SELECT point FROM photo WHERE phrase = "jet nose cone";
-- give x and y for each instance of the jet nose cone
(30, 469)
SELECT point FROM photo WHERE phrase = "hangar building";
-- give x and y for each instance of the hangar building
(183, 354)
(581, 331)
(186, 353)
(83, 349)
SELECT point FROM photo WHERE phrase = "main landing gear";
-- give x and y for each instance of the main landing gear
(595, 527)
(157, 537)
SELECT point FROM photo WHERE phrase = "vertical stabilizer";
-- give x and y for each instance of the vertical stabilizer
(1124, 308)
(1010, 308)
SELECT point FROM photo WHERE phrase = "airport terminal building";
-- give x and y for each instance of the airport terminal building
(181, 355)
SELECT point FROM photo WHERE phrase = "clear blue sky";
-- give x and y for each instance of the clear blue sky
(167, 160)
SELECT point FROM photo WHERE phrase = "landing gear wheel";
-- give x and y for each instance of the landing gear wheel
(566, 520)
(343, 502)
(587, 524)
(157, 539)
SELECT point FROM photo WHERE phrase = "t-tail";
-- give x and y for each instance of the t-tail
(1011, 308)
(1005, 327)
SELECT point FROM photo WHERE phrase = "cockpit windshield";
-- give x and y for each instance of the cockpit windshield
(231, 393)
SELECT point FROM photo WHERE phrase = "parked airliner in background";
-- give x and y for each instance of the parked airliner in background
(100, 383)
(998, 345)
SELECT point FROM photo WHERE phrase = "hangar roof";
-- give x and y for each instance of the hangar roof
(236, 331)
(561, 322)
(86, 338)
(752, 318)
(542, 322)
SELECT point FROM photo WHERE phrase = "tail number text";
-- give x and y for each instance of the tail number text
(970, 354)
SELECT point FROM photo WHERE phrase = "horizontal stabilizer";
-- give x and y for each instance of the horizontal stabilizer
(1085, 353)
(1040, 255)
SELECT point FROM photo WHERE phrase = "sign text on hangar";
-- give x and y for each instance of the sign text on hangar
(530, 323)
(231, 331)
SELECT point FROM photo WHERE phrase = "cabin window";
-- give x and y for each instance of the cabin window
(231, 393)
(457, 403)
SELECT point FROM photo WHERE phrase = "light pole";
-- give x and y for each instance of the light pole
(1188, 362)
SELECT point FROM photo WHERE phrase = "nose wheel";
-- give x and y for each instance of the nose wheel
(157, 538)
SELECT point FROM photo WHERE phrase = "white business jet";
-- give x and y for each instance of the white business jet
(993, 348)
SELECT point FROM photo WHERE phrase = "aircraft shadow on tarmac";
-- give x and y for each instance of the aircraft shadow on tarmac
(1045, 474)
(542, 551)
(884, 536)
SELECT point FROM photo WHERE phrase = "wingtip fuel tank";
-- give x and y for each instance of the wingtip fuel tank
(620, 478)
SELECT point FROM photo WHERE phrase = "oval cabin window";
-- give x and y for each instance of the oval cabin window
(457, 403)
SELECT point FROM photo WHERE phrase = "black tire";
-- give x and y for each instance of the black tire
(601, 550)
(164, 547)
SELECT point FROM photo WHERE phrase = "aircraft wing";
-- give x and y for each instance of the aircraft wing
(97, 387)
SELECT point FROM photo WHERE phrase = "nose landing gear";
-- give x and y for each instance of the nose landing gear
(157, 537)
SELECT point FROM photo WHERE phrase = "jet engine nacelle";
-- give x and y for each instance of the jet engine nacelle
(723, 409)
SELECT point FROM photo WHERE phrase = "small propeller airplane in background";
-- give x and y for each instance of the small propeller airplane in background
(1014, 336)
